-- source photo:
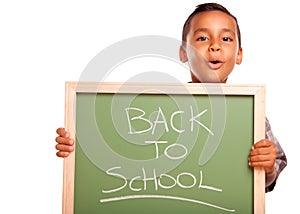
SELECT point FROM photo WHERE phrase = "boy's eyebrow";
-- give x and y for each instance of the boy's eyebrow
(200, 30)
(207, 29)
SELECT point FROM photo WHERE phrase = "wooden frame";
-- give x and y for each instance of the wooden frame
(258, 91)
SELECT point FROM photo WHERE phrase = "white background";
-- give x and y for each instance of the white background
(45, 43)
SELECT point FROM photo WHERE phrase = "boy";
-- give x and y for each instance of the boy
(211, 45)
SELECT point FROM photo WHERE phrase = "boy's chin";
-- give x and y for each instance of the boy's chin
(207, 80)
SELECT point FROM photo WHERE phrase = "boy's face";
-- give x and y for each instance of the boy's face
(212, 48)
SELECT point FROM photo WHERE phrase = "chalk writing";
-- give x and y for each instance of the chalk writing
(156, 143)
(157, 180)
(165, 197)
(141, 182)
(158, 184)
(161, 119)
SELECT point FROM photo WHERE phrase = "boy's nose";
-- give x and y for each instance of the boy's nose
(215, 47)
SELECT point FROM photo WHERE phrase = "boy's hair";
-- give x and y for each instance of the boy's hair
(204, 8)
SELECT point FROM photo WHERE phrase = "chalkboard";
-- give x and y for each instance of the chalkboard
(168, 148)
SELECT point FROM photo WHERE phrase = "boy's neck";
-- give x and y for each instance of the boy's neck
(196, 80)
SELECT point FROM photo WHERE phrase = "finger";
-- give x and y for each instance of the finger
(265, 161)
(263, 151)
(62, 154)
(64, 148)
(63, 140)
(263, 143)
(261, 163)
(268, 166)
(62, 132)
(262, 158)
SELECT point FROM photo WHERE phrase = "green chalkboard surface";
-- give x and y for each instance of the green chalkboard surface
(161, 151)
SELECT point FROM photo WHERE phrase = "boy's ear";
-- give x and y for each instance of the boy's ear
(182, 54)
(239, 57)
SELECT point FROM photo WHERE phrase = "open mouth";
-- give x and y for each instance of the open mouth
(215, 64)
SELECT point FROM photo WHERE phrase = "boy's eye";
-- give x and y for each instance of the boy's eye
(227, 39)
(202, 38)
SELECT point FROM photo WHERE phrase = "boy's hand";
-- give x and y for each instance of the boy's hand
(263, 154)
(64, 143)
